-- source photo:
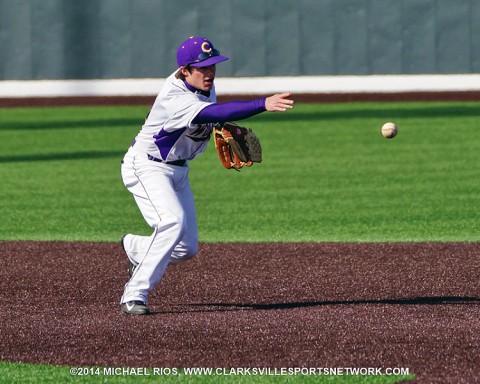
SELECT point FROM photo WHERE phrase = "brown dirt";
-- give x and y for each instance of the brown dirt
(299, 98)
(408, 305)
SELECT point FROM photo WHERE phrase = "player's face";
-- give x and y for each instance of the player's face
(201, 77)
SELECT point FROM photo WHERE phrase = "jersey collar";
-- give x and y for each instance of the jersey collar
(196, 90)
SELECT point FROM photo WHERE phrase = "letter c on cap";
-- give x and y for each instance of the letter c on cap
(206, 47)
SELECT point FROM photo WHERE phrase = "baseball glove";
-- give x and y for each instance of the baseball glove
(237, 146)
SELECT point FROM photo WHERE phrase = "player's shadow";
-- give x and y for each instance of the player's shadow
(228, 307)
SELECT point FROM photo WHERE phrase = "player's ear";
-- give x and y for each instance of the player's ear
(185, 70)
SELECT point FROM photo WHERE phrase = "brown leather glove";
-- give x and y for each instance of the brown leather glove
(237, 146)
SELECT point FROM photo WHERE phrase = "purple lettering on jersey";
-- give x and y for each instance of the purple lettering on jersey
(166, 140)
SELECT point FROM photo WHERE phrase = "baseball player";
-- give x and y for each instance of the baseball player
(155, 167)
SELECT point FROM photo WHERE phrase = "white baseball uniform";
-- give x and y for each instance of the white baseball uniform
(153, 172)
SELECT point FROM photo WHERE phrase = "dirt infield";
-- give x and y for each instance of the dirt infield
(328, 305)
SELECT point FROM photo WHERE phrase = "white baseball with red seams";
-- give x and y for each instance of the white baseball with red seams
(389, 130)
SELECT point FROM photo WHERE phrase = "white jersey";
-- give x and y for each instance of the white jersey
(168, 133)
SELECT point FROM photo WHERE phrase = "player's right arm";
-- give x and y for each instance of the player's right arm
(239, 110)
(231, 111)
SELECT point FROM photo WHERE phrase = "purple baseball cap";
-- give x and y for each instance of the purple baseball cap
(198, 52)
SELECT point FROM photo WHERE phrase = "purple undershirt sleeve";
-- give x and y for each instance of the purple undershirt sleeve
(231, 111)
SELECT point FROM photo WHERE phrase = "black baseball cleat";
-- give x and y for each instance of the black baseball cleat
(131, 266)
(135, 308)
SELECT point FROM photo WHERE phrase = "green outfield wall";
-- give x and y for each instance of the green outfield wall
(111, 39)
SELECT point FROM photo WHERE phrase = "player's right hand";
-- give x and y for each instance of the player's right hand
(279, 102)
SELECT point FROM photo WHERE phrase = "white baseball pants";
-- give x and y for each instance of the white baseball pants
(163, 195)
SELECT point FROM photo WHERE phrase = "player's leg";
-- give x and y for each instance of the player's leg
(136, 245)
(188, 245)
(158, 200)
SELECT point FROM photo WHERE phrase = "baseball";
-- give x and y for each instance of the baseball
(389, 130)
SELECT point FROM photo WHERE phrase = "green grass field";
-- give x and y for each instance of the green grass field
(327, 175)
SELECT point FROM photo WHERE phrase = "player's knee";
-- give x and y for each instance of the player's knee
(174, 224)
